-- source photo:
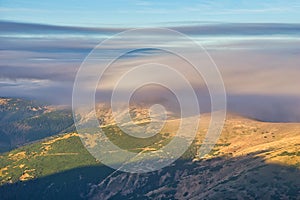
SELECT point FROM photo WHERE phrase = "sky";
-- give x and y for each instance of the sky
(148, 13)
(255, 44)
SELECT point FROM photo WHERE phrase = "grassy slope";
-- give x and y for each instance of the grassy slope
(40, 159)
(245, 154)
(277, 143)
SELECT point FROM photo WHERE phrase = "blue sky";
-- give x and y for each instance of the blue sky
(148, 13)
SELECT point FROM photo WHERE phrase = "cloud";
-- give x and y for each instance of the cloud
(274, 108)
(16, 27)
(8, 27)
(259, 64)
(237, 29)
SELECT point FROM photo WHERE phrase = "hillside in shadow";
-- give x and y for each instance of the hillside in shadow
(71, 184)
(25, 121)
(244, 177)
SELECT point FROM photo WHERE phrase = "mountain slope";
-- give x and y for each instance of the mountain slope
(23, 121)
(251, 160)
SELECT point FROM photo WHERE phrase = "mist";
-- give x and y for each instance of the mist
(259, 65)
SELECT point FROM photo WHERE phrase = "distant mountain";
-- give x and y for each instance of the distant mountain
(251, 160)
(23, 121)
(138, 112)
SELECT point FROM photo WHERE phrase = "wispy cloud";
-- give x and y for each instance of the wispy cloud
(15, 27)
(199, 29)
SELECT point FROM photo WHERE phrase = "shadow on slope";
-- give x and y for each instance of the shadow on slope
(24, 121)
(71, 184)
(247, 177)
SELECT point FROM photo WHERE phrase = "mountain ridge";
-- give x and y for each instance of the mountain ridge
(251, 159)
(246, 157)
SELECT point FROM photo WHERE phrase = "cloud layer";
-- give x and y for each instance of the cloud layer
(259, 63)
